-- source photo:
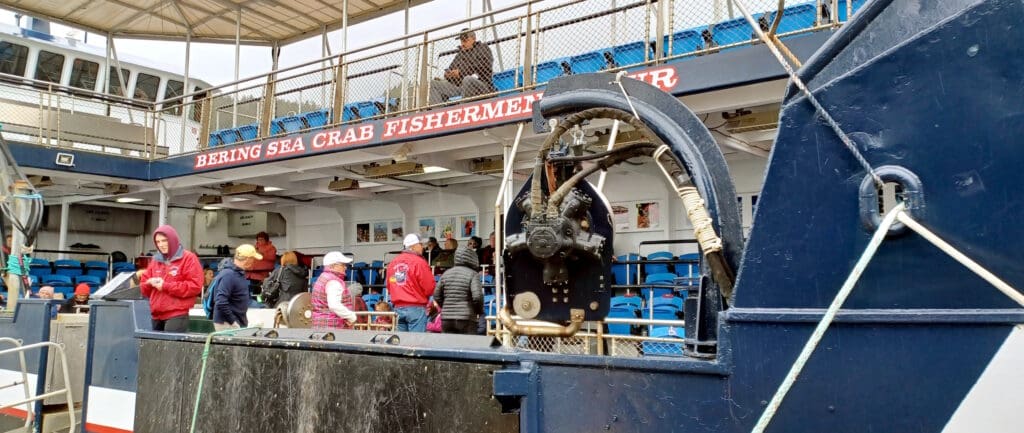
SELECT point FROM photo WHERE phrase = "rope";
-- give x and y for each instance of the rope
(618, 80)
(703, 229)
(847, 142)
(898, 213)
(202, 372)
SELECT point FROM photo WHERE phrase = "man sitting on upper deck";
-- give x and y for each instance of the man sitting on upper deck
(469, 73)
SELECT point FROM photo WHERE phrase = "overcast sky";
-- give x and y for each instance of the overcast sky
(214, 63)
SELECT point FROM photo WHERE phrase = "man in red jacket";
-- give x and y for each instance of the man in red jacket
(262, 268)
(172, 281)
(410, 284)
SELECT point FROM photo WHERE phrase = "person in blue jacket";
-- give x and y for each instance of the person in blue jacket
(231, 297)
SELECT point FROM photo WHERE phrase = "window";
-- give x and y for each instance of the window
(13, 58)
(83, 74)
(174, 89)
(197, 101)
(146, 87)
(114, 86)
(49, 67)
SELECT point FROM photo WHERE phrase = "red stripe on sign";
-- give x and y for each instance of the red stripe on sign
(96, 428)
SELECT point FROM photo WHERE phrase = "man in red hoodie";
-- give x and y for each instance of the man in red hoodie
(172, 281)
(410, 284)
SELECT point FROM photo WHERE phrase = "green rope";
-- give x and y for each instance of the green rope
(14, 268)
(202, 371)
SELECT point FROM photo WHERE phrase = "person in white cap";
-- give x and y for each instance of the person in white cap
(410, 284)
(332, 303)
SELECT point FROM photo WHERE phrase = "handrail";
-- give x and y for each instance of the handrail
(340, 56)
(50, 86)
(20, 350)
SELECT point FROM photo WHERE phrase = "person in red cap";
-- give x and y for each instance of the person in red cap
(172, 281)
(81, 299)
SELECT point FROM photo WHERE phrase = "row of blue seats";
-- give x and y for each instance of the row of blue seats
(303, 121)
(653, 271)
(42, 267)
(734, 31)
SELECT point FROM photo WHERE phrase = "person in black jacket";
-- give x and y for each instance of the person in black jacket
(460, 294)
(288, 280)
(231, 300)
(469, 73)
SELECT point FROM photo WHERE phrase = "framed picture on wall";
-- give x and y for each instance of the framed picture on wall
(363, 233)
(428, 228)
(397, 231)
(648, 215)
(637, 216)
(380, 232)
(447, 227)
(467, 226)
(620, 217)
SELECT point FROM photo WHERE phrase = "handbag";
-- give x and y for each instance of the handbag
(434, 325)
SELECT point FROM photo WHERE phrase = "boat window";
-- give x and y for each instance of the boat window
(49, 66)
(174, 89)
(114, 86)
(13, 58)
(146, 87)
(83, 74)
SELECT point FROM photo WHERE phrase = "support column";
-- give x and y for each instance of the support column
(185, 90)
(62, 240)
(18, 249)
(163, 205)
(238, 53)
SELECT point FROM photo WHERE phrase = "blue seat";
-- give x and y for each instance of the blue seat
(371, 300)
(660, 278)
(624, 312)
(96, 264)
(368, 109)
(627, 300)
(40, 267)
(660, 348)
(275, 127)
(350, 112)
(317, 118)
(593, 61)
(857, 4)
(632, 53)
(508, 80)
(668, 301)
(732, 31)
(689, 269)
(552, 69)
(60, 283)
(228, 136)
(68, 267)
(488, 279)
(93, 281)
(686, 41)
(249, 132)
(621, 270)
(292, 123)
(658, 268)
(215, 139)
(490, 305)
(120, 267)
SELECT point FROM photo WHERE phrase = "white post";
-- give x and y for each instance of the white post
(163, 205)
(611, 145)
(238, 53)
(62, 240)
(185, 91)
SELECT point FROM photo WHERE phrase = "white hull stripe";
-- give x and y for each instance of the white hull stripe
(110, 410)
(994, 403)
(12, 394)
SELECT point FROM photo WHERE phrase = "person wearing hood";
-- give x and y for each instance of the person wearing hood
(460, 294)
(286, 281)
(78, 303)
(172, 281)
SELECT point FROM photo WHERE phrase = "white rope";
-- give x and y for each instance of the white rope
(618, 80)
(897, 213)
(830, 314)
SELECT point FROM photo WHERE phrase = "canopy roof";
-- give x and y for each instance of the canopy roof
(262, 21)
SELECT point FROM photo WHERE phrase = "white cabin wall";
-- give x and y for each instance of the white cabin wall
(314, 230)
(131, 245)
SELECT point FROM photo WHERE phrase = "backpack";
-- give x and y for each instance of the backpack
(209, 299)
(272, 287)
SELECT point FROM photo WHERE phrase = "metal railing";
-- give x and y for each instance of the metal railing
(19, 349)
(529, 45)
(594, 340)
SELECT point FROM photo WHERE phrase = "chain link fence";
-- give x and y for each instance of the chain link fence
(472, 63)
(379, 84)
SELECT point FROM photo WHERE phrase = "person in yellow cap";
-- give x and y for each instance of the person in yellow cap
(231, 297)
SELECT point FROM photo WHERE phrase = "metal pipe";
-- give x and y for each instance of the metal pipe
(575, 323)
(238, 53)
(185, 88)
(62, 239)
(611, 144)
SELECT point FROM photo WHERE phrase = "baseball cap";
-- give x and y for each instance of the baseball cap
(335, 257)
(82, 289)
(465, 33)
(247, 250)
(411, 239)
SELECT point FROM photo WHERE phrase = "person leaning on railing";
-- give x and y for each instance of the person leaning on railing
(469, 73)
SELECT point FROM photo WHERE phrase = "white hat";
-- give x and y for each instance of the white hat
(411, 239)
(335, 257)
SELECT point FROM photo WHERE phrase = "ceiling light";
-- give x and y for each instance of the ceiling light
(115, 188)
(487, 166)
(207, 199)
(211, 207)
(272, 189)
(392, 170)
(433, 169)
(235, 199)
(343, 184)
(240, 188)
(128, 199)
(264, 202)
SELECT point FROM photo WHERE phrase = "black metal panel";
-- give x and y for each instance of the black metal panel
(261, 389)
